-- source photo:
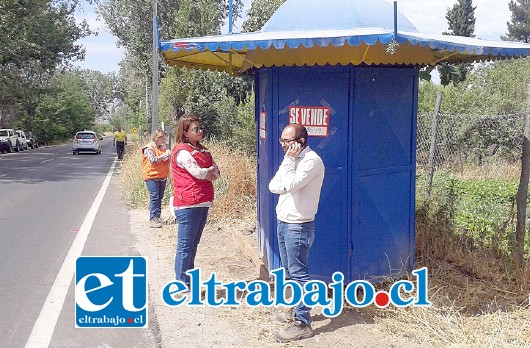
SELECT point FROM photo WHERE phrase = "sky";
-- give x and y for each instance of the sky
(428, 16)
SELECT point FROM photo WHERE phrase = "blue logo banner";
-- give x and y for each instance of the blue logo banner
(111, 292)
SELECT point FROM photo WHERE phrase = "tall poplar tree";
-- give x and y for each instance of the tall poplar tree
(461, 20)
(519, 25)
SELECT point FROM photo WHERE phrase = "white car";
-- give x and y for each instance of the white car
(9, 140)
(23, 140)
(86, 141)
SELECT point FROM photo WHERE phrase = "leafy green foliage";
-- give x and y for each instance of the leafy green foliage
(37, 38)
(102, 90)
(483, 117)
(481, 210)
(207, 94)
(65, 111)
(259, 13)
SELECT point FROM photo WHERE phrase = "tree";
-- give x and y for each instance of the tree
(519, 26)
(461, 20)
(131, 22)
(260, 12)
(103, 91)
(37, 38)
(65, 110)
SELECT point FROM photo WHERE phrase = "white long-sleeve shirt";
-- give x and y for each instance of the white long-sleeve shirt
(185, 160)
(298, 182)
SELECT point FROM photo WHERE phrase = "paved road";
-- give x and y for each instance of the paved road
(46, 194)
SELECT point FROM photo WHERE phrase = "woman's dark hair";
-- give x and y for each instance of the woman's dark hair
(183, 125)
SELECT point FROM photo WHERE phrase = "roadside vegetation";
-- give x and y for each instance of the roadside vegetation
(465, 229)
(235, 191)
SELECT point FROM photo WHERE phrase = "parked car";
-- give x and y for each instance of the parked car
(32, 140)
(86, 141)
(23, 140)
(9, 140)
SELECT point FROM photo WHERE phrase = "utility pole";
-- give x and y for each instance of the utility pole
(147, 103)
(154, 94)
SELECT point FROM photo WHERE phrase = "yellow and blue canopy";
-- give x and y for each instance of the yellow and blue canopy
(334, 32)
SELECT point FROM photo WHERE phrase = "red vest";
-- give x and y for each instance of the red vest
(158, 170)
(188, 190)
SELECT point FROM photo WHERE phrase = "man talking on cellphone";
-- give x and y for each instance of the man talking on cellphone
(298, 181)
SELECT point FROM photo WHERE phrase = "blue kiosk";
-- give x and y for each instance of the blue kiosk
(344, 70)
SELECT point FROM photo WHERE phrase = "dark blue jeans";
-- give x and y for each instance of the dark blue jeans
(191, 222)
(294, 242)
(156, 193)
(120, 149)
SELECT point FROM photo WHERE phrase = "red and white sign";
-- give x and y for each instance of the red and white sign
(262, 125)
(314, 118)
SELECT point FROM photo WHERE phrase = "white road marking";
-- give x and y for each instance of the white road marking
(48, 160)
(42, 332)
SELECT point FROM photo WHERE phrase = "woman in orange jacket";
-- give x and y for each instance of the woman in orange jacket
(155, 170)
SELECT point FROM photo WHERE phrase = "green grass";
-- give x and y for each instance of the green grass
(478, 208)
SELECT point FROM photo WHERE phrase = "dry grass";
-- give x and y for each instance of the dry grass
(444, 325)
(235, 191)
(480, 299)
(499, 171)
(134, 189)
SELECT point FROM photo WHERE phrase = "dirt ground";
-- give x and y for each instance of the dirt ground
(243, 326)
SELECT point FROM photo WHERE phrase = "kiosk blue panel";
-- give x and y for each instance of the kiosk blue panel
(264, 128)
(325, 87)
(384, 176)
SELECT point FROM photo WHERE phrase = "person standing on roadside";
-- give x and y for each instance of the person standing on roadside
(155, 170)
(120, 140)
(298, 181)
(193, 170)
(145, 135)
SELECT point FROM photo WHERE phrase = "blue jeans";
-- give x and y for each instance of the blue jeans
(191, 222)
(294, 242)
(156, 193)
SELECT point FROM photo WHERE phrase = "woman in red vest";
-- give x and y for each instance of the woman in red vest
(193, 170)
(155, 170)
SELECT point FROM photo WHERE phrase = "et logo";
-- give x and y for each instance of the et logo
(111, 292)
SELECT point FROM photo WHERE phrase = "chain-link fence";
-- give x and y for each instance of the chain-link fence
(470, 141)
(471, 172)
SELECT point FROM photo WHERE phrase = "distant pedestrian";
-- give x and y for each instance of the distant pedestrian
(298, 181)
(193, 170)
(120, 140)
(155, 170)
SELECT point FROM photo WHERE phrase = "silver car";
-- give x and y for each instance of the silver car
(86, 141)
(23, 139)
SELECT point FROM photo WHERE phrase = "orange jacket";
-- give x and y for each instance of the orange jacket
(158, 170)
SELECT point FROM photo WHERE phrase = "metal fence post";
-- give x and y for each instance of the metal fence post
(522, 192)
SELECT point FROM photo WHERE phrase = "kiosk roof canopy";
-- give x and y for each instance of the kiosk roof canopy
(334, 32)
